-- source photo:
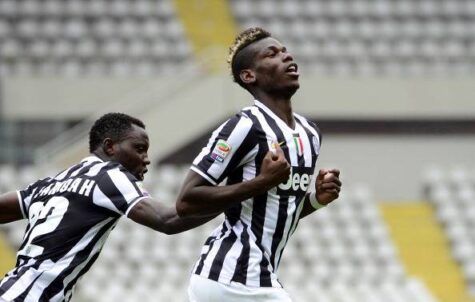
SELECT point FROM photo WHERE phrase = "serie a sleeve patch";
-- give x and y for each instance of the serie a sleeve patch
(221, 150)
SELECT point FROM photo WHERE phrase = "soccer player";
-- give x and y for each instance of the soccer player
(239, 260)
(71, 214)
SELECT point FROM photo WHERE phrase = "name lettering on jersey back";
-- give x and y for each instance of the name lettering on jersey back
(74, 185)
(298, 182)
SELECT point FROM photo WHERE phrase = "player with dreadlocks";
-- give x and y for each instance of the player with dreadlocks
(240, 259)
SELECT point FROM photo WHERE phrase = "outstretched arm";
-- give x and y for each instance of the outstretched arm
(199, 197)
(10, 208)
(327, 189)
(162, 218)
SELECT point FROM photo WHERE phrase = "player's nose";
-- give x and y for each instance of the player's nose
(288, 57)
(146, 160)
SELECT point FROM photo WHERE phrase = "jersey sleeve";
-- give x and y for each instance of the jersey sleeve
(118, 190)
(229, 146)
(25, 196)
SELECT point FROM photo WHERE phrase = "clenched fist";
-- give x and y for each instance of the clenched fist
(327, 185)
(275, 169)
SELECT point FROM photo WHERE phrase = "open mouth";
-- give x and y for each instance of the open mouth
(142, 173)
(292, 69)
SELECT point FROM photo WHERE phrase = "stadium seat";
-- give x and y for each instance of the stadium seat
(92, 36)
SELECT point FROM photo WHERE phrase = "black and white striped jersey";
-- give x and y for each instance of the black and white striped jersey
(248, 246)
(69, 218)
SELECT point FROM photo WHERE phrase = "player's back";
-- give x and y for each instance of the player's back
(69, 219)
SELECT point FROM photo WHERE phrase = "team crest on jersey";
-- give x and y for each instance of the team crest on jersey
(220, 151)
(298, 144)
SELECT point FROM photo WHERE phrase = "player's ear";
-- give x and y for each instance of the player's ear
(108, 147)
(247, 76)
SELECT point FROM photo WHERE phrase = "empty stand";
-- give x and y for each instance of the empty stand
(362, 37)
(77, 38)
(452, 192)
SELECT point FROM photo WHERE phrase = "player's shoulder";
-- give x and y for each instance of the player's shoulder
(42, 182)
(114, 169)
(241, 119)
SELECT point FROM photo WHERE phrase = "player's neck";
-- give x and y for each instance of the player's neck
(281, 106)
(100, 153)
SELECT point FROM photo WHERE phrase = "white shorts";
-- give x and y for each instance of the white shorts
(204, 290)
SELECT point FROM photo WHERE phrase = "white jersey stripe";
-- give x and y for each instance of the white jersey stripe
(233, 254)
(212, 181)
(22, 204)
(207, 149)
(124, 185)
(96, 169)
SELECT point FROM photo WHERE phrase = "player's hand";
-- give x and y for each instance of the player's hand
(327, 185)
(275, 169)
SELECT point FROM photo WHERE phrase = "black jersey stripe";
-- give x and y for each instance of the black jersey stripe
(242, 263)
(218, 261)
(109, 189)
(280, 227)
(203, 257)
(225, 132)
(247, 145)
(233, 213)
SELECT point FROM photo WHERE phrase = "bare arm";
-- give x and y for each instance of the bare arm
(199, 197)
(10, 208)
(327, 189)
(159, 217)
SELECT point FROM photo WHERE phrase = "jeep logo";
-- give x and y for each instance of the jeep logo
(299, 179)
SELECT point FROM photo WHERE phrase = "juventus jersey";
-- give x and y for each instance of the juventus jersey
(69, 218)
(248, 246)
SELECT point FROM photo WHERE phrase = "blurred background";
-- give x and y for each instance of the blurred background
(389, 82)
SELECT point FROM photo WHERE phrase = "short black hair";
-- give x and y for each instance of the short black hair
(238, 59)
(112, 125)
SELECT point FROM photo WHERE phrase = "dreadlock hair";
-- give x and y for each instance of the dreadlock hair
(239, 59)
(111, 125)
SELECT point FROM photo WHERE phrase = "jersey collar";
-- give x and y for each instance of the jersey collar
(275, 117)
(92, 158)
